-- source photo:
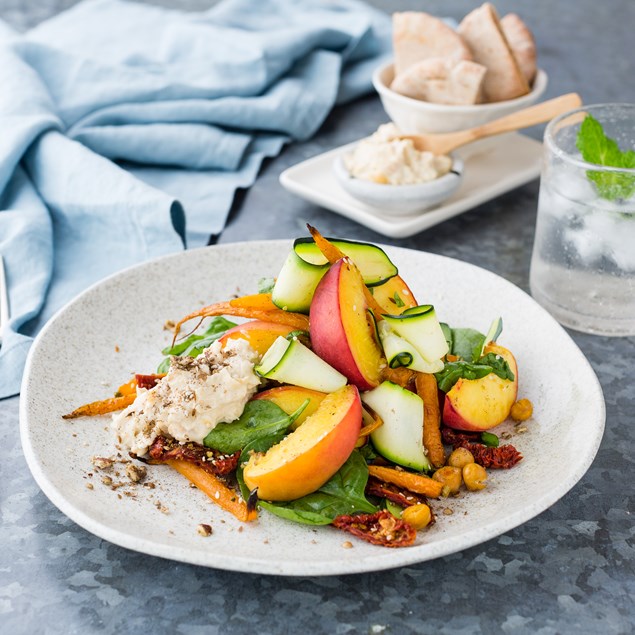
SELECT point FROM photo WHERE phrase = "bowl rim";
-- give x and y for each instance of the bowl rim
(538, 88)
(385, 190)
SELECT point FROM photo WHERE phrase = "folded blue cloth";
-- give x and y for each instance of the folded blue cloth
(125, 130)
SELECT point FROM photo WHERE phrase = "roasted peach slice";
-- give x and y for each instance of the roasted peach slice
(341, 333)
(260, 335)
(481, 404)
(306, 458)
(394, 296)
(290, 398)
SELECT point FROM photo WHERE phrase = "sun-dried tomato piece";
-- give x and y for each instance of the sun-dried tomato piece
(393, 493)
(380, 528)
(147, 381)
(212, 461)
(502, 457)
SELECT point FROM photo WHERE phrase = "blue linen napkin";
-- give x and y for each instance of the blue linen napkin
(125, 130)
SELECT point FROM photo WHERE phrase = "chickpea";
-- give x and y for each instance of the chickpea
(460, 458)
(522, 410)
(450, 477)
(417, 516)
(474, 476)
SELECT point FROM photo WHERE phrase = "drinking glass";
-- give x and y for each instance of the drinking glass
(583, 261)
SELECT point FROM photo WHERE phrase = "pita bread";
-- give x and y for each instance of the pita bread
(418, 36)
(482, 32)
(522, 44)
(440, 81)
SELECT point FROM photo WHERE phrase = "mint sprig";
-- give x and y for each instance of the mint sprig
(597, 148)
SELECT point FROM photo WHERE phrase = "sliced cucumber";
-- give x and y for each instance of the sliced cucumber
(420, 327)
(372, 261)
(296, 283)
(400, 438)
(291, 362)
(305, 266)
(399, 352)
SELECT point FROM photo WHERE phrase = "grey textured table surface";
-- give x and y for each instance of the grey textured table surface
(570, 570)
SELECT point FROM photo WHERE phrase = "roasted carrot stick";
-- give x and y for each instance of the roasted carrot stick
(414, 482)
(330, 251)
(427, 389)
(401, 376)
(125, 395)
(102, 407)
(295, 320)
(217, 490)
(129, 388)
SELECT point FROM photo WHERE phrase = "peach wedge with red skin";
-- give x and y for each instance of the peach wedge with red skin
(339, 325)
(394, 296)
(481, 404)
(260, 335)
(290, 398)
(307, 457)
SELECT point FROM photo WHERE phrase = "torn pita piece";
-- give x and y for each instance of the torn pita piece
(482, 32)
(441, 81)
(418, 36)
(522, 44)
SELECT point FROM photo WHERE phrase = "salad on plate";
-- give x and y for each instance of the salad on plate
(337, 400)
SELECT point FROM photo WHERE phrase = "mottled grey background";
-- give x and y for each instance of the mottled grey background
(570, 570)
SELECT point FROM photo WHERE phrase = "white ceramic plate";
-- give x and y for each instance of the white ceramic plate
(76, 352)
(504, 163)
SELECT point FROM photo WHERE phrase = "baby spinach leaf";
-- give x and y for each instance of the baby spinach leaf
(467, 344)
(343, 493)
(447, 333)
(261, 444)
(193, 345)
(498, 365)
(368, 452)
(260, 418)
(164, 366)
(490, 363)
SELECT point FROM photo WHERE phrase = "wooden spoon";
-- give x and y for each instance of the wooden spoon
(446, 142)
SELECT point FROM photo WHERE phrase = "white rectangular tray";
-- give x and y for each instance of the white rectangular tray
(509, 162)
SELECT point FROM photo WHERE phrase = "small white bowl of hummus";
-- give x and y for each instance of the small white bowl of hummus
(389, 174)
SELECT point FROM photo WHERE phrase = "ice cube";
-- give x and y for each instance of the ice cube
(573, 184)
(584, 243)
(615, 233)
(554, 205)
(605, 234)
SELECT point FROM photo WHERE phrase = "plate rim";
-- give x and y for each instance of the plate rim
(392, 559)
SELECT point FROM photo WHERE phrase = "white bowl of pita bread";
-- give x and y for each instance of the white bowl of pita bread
(445, 79)
(416, 116)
